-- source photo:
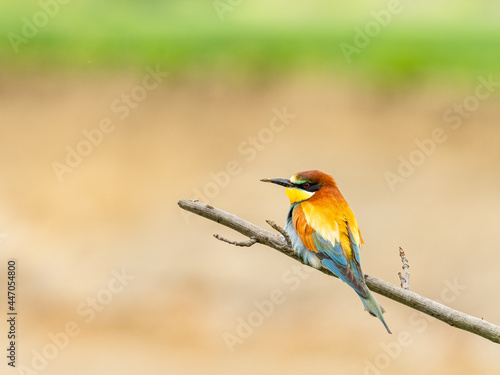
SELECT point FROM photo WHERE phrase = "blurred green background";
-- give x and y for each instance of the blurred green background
(227, 78)
(444, 39)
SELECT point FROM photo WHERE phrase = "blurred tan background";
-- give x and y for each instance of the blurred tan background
(181, 293)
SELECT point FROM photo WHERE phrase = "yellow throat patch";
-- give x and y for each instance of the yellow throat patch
(297, 195)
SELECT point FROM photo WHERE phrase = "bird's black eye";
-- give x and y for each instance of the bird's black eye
(306, 185)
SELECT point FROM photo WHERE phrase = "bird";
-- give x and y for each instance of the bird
(324, 231)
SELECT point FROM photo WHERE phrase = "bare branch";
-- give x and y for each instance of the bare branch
(250, 242)
(411, 299)
(405, 281)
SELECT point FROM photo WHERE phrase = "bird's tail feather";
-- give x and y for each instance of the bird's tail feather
(372, 306)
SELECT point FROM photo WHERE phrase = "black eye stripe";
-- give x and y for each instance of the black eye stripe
(311, 187)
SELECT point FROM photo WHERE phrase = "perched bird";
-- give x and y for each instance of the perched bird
(324, 231)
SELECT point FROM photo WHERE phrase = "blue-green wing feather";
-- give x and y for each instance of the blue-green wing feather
(334, 258)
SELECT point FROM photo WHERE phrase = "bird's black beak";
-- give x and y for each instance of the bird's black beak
(279, 181)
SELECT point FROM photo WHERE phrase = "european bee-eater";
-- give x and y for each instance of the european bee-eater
(324, 231)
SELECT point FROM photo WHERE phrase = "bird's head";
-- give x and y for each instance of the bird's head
(303, 185)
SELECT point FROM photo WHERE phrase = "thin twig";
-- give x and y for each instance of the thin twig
(455, 318)
(405, 281)
(283, 232)
(250, 242)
